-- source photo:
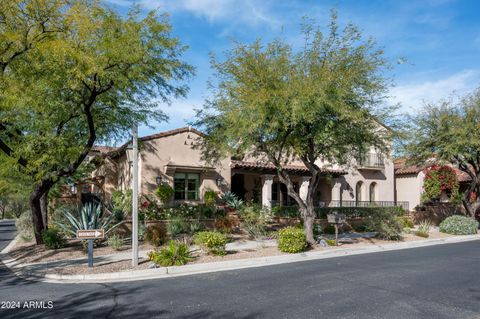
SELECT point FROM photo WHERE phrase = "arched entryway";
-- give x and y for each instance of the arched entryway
(358, 192)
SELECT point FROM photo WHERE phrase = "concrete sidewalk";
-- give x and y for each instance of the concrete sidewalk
(39, 271)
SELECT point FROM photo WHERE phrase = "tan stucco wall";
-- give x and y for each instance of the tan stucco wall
(383, 178)
(178, 150)
(109, 171)
(409, 188)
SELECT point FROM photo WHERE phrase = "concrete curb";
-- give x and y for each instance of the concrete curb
(9, 247)
(169, 272)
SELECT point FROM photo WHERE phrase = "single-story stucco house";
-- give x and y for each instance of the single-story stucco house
(409, 182)
(170, 157)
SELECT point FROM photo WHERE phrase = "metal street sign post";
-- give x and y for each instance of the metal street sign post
(90, 235)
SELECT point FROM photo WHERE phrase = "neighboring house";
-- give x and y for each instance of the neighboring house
(409, 182)
(99, 186)
(170, 157)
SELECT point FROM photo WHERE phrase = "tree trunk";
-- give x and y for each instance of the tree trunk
(37, 219)
(44, 207)
(308, 220)
(37, 197)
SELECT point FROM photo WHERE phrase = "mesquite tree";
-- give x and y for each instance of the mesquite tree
(73, 73)
(317, 104)
(449, 131)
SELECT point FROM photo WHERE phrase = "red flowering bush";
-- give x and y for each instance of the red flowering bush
(438, 180)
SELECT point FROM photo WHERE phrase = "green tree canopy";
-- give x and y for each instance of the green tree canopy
(74, 73)
(320, 103)
(449, 132)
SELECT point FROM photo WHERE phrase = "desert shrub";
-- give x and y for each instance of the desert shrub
(150, 209)
(224, 224)
(292, 240)
(155, 235)
(184, 211)
(405, 221)
(164, 193)
(173, 254)
(331, 242)
(122, 200)
(53, 239)
(273, 234)
(142, 231)
(423, 229)
(89, 216)
(459, 225)
(407, 230)
(24, 224)
(210, 198)
(254, 220)
(359, 227)
(386, 223)
(115, 241)
(177, 226)
(231, 200)
(214, 242)
(195, 227)
(329, 229)
(208, 212)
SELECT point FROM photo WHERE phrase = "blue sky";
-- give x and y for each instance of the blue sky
(439, 38)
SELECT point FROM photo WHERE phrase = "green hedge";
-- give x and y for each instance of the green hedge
(350, 212)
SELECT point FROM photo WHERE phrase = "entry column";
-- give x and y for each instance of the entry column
(267, 191)
(303, 191)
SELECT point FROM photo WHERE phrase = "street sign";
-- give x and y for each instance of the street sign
(90, 234)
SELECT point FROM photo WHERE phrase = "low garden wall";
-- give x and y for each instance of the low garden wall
(435, 212)
(125, 228)
(354, 222)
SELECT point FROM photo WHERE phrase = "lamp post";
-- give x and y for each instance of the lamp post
(132, 158)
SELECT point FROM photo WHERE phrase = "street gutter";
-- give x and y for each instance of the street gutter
(192, 269)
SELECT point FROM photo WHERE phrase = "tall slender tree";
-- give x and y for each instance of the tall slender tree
(319, 103)
(74, 73)
(449, 132)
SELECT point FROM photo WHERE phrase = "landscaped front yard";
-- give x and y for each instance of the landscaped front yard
(222, 229)
(240, 247)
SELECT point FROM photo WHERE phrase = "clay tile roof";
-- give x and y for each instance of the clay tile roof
(103, 149)
(462, 176)
(402, 169)
(269, 166)
(171, 132)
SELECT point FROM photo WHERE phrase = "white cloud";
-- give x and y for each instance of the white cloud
(247, 12)
(413, 95)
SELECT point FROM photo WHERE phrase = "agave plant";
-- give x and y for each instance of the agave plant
(90, 216)
(231, 200)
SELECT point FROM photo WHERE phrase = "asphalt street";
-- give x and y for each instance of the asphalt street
(432, 282)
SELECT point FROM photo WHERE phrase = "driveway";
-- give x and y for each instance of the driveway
(432, 282)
